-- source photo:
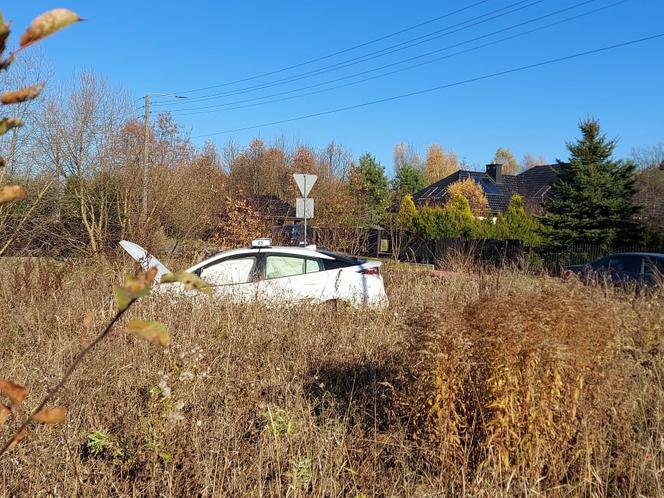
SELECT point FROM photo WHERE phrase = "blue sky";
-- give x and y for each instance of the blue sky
(168, 46)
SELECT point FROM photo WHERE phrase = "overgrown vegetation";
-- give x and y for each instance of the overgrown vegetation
(17, 416)
(505, 385)
(457, 219)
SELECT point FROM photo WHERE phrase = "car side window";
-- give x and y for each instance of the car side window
(616, 265)
(230, 271)
(600, 264)
(312, 266)
(278, 266)
(627, 264)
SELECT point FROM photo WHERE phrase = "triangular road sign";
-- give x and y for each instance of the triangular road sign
(305, 182)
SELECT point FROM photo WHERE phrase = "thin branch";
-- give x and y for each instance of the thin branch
(75, 363)
(25, 217)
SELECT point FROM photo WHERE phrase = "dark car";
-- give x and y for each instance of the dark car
(642, 268)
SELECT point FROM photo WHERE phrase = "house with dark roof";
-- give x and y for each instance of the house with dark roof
(273, 209)
(533, 185)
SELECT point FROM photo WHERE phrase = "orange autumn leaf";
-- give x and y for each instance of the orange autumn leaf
(17, 439)
(22, 95)
(134, 287)
(147, 277)
(5, 412)
(15, 392)
(11, 193)
(47, 24)
(150, 330)
(50, 415)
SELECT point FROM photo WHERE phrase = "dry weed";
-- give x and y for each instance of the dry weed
(479, 385)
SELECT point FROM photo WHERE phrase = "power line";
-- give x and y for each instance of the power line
(376, 54)
(441, 87)
(339, 52)
(224, 106)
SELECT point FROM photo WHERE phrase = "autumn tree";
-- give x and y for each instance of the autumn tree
(505, 157)
(439, 164)
(474, 194)
(198, 198)
(261, 170)
(239, 224)
(650, 183)
(330, 165)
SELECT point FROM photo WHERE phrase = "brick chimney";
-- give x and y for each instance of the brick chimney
(495, 171)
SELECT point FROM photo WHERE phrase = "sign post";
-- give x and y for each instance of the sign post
(304, 206)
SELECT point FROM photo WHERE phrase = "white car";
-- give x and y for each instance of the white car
(281, 275)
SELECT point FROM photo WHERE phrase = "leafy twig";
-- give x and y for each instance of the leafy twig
(77, 361)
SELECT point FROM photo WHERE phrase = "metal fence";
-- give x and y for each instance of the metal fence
(554, 259)
(377, 242)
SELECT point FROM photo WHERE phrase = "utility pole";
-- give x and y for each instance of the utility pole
(146, 149)
(305, 193)
(146, 141)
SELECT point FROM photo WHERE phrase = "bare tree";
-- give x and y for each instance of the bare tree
(649, 161)
(337, 160)
(529, 161)
(76, 132)
(15, 146)
(405, 154)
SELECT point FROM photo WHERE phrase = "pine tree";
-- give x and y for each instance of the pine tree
(370, 188)
(593, 199)
(408, 180)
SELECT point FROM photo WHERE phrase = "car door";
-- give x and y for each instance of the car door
(653, 271)
(234, 278)
(597, 270)
(293, 278)
(625, 268)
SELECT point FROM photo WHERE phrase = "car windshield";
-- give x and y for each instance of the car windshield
(625, 264)
(230, 271)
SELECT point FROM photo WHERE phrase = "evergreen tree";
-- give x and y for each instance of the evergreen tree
(407, 211)
(593, 199)
(408, 180)
(370, 188)
(516, 223)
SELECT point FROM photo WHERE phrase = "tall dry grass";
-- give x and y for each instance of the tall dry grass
(479, 385)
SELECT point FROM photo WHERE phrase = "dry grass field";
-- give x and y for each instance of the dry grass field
(477, 385)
